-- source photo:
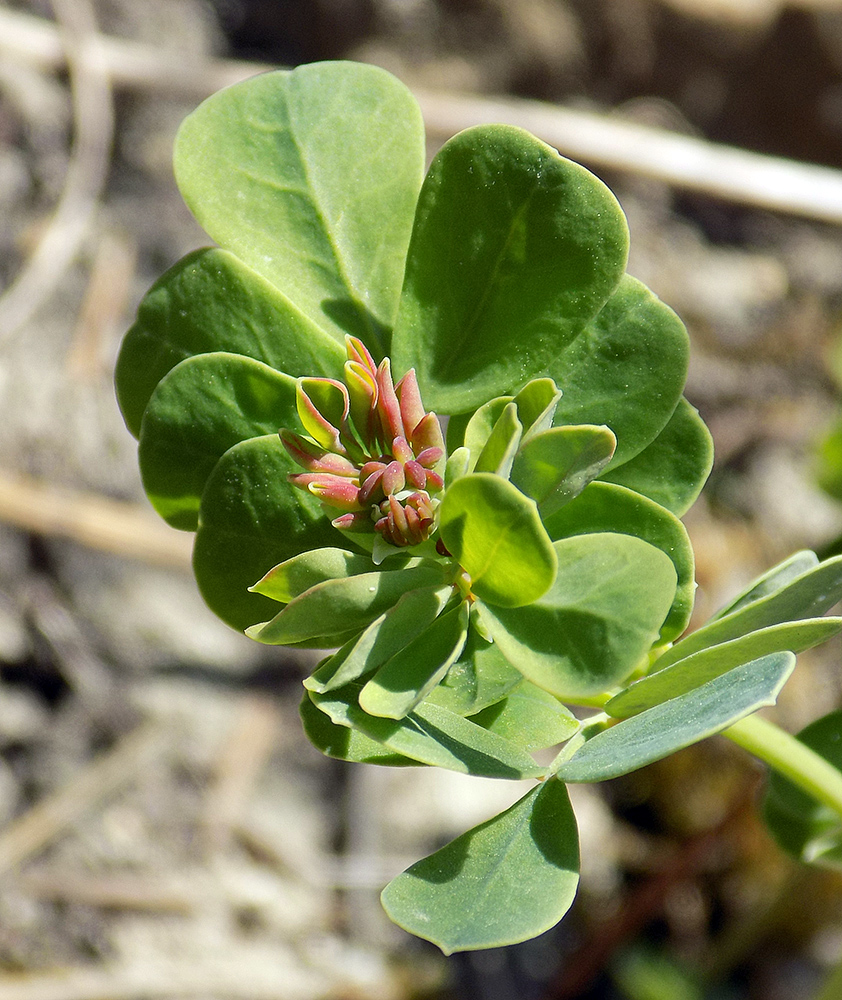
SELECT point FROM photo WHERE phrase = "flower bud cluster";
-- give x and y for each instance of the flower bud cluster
(370, 449)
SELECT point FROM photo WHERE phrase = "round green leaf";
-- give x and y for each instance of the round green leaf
(310, 177)
(556, 465)
(673, 469)
(505, 881)
(774, 579)
(250, 519)
(626, 369)
(597, 621)
(210, 301)
(292, 577)
(495, 534)
(606, 507)
(203, 407)
(514, 250)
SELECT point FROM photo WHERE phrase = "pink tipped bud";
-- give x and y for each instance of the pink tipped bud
(398, 516)
(371, 488)
(322, 405)
(416, 475)
(357, 520)
(393, 480)
(358, 352)
(336, 492)
(388, 408)
(434, 481)
(362, 392)
(429, 457)
(409, 395)
(427, 434)
(401, 450)
(314, 458)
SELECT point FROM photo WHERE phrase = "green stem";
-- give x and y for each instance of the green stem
(790, 757)
(832, 986)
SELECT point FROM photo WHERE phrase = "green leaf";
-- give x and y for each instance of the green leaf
(529, 717)
(505, 881)
(774, 579)
(627, 369)
(250, 519)
(807, 596)
(496, 535)
(556, 465)
(508, 236)
(673, 469)
(346, 744)
(203, 407)
(606, 507)
(696, 669)
(349, 604)
(536, 405)
(385, 636)
(481, 676)
(292, 577)
(660, 731)
(310, 177)
(597, 621)
(410, 674)
(804, 827)
(458, 464)
(474, 429)
(210, 301)
(434, 736)
(499, 450)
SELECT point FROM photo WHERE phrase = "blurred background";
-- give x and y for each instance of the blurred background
(165, 829)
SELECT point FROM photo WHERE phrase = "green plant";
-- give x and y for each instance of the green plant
(473, 591)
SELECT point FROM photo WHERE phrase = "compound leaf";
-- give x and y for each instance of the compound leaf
(310, 177)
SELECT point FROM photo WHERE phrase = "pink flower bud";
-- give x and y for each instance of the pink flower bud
(427, 434)
(357, 520)
(393, 480)
(388, 408)
(429, 457)
(409, 395)
(416, 475)
(336, 491)
(314, 458)
(371, 488)
(318, 400)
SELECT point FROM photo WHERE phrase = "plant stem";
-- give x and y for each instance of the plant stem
(832, 987)
(790, 757)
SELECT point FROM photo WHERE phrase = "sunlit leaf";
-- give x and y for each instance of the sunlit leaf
(496, 535)
(310, 177)
(410, 674)
(556, 465)
(505, 881)
(203, 407)
(678, 723)
(530, 717)
(345, 605)
(508, 236)
(606, 507)
(696, 669)
(596, 622)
